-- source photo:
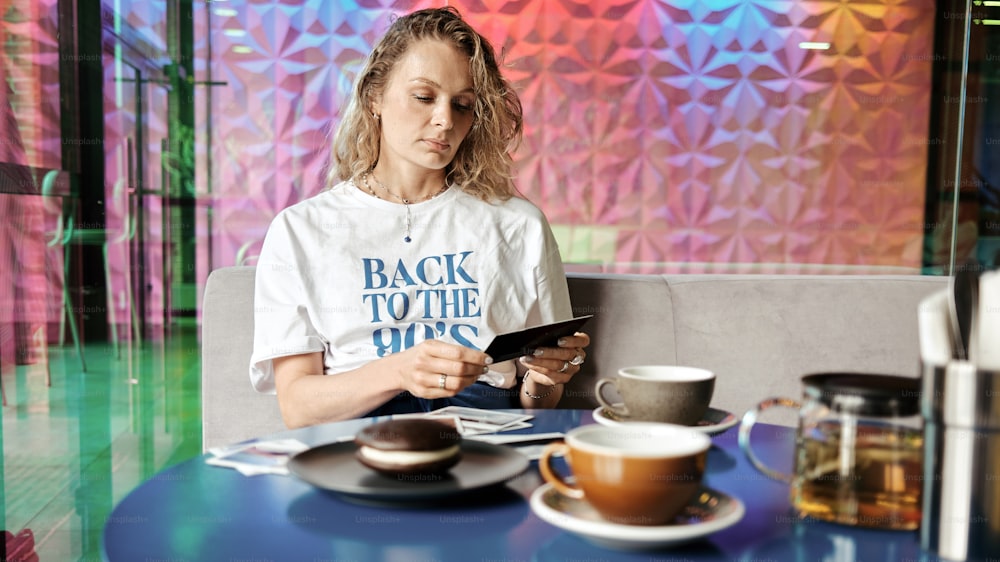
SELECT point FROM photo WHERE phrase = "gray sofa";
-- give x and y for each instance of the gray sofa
(759, 333)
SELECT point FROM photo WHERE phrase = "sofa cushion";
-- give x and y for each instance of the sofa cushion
(761, 333)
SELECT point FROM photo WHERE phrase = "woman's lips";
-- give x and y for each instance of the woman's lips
(437, 145)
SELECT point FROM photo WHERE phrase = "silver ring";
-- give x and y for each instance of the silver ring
(578, 360)
(564, 367)
(442, 381)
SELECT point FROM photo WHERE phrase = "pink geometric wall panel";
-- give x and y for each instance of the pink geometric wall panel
(29, 138)
(680, 135)
(31, 69)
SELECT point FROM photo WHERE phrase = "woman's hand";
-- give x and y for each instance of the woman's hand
(431, 369)
(551, 366)
(437, 369)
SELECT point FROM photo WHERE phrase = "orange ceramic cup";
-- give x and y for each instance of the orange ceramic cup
(635, 474)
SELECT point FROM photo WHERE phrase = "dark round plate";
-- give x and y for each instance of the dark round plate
(333, 467)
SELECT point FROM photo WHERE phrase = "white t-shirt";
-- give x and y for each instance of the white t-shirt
(335, 275)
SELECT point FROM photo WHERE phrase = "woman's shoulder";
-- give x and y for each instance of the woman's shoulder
(514, 209)
(320, 202)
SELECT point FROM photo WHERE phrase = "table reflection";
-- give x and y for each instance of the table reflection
(811, 540)
(478, 522)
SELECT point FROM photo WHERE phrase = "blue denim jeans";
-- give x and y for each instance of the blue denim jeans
(478, 395)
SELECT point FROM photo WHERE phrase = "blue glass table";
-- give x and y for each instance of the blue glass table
(194, 511)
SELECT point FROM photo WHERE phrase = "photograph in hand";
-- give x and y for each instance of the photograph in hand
(523, 342)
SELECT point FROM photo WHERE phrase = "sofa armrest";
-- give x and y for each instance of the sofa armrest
(232, 410)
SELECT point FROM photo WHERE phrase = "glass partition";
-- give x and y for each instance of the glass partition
(719, 136)
(970, 72)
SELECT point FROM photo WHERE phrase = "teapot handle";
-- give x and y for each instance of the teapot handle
(749, 419)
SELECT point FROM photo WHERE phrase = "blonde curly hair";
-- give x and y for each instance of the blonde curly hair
(482, 166)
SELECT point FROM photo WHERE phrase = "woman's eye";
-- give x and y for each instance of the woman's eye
(424, 99)
(463, 106)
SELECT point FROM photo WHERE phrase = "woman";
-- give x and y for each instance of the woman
(394, 279)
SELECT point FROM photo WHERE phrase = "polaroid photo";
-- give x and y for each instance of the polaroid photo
(480, 428)
(483, 418)
(289, 446)
(523, 342)
(251, 459)
(522, 439)
(529, 445)
(453, 421)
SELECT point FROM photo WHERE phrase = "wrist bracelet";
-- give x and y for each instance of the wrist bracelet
(534, 396)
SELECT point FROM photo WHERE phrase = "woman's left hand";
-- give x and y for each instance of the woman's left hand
(557, 365)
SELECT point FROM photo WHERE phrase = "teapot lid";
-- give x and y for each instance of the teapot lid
(865, 394)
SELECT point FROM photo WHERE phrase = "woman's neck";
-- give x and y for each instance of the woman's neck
(400, 186)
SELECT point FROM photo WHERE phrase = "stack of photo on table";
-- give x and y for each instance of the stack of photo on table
(271, 456)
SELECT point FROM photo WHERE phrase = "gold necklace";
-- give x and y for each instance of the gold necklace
(406, 202)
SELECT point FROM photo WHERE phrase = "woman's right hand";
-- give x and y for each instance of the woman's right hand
(437, 369)
(431, 369)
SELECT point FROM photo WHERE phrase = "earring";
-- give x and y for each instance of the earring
(375, 115)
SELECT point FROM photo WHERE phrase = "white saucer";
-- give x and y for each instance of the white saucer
(714, 422)
(709, 512)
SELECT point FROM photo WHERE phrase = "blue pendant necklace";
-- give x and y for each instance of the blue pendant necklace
(406, 202)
